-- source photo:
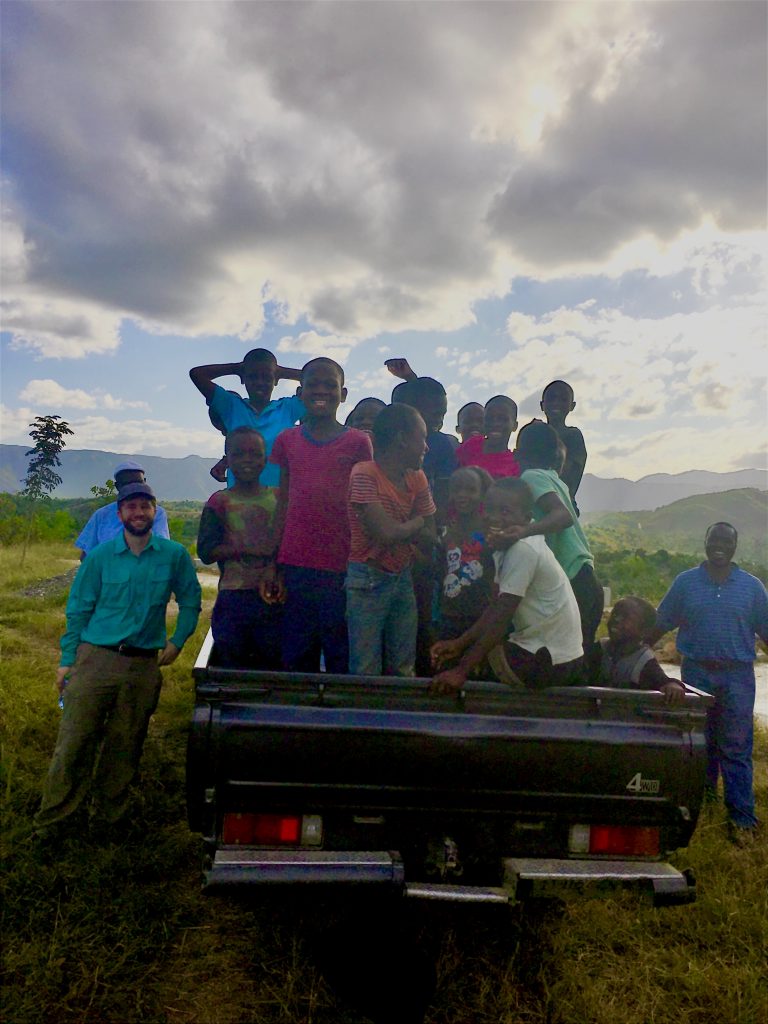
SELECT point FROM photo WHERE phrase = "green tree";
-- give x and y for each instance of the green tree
(48, 433)
(105, 494)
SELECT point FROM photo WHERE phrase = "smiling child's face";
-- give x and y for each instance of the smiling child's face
(321, 390)
(556, 402)
(464, 492)
(470, 421)
(246, 457)
(504, 509)
(625, 623)
(499, 422)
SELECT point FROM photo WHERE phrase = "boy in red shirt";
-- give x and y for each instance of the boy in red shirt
(315, 460)
(390, 506)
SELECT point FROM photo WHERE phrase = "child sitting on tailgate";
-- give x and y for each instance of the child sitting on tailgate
(236, 530)
(624, 659)
(468, 562)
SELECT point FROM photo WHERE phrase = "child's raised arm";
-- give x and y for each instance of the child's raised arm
(203, 377)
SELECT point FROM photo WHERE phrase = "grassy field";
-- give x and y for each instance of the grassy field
(121, 933)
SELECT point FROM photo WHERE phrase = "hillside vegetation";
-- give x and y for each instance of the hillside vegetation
(681, 525)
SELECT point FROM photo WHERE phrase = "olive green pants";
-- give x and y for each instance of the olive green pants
(108, 702)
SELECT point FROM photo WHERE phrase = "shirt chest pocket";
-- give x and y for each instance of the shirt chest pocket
(115, 585)
(160, 584)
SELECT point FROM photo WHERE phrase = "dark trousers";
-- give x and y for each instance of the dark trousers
(108, 703)
(536, 671)
(590, 599)
(246, 630)
(424, 592)
(314, 620)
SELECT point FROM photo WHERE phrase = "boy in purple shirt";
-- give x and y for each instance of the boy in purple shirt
(315, 461)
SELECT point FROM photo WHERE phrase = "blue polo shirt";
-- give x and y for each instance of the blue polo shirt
(118, 597)
(716, 621)
(234, 411)
(105, 524)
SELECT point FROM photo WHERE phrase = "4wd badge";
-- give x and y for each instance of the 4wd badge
(637, 784)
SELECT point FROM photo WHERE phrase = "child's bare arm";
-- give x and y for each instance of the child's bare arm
(382, 528)
(287, 373)
(400, 368)
(203, 376)
(488, 632)
(556, 518)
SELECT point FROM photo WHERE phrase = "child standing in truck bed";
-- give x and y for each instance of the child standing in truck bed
(467, 560)
(390, 508)
(237, 531)
(315, 461)
(490, 450)
(557, 402)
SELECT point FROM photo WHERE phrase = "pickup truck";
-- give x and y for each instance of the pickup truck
(495, 795)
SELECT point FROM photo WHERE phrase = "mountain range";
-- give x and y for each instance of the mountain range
(189, 479)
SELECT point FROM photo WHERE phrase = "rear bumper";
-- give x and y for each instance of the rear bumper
(531, 877)
(524, 878)
(244, 866)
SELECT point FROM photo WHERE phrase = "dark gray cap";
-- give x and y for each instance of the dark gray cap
(135, 491)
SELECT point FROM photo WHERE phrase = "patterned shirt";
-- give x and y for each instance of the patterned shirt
(717, 621)
(316, 531)
(241, 521)
(119, 597)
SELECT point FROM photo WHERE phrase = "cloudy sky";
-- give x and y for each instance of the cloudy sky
(506, 193)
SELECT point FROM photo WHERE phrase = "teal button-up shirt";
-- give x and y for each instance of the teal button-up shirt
(118, 597)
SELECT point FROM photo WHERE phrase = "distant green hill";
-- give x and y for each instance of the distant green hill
(681, 525)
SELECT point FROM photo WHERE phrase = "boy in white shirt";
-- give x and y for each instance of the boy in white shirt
(534, 595)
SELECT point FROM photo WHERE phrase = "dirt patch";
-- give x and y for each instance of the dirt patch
(53, 585)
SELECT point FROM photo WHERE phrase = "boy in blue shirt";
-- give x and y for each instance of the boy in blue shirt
(259, 372)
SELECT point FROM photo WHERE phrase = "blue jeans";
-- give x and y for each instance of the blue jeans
(313, 620)
(729, 731)
(381, 620)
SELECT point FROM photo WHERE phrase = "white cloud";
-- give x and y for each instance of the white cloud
(50, 394)
(413, 160)
(151, 436)
(310, 345)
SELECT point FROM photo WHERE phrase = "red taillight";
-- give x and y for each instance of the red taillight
(624, 840)
(245, 829)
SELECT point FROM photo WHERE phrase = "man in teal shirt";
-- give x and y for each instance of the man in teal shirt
(110, 668)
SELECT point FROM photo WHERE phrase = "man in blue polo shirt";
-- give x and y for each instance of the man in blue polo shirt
(718, 608)
(111, 654)
(259, 372)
